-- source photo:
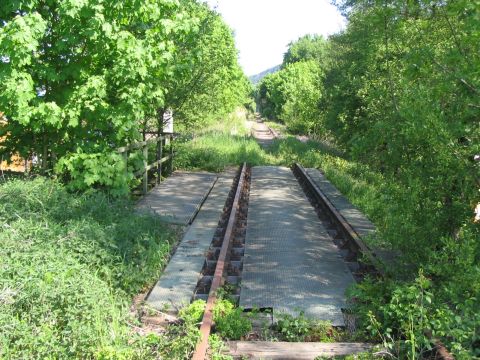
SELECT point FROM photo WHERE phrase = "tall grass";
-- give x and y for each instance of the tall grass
(69, 266)
(216, 151)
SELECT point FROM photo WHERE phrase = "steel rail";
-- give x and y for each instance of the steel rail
(207, 321)
(442, 352)
(344, 224)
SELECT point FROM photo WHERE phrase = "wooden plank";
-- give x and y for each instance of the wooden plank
(152, 165)
(291, 350)
(140, 144)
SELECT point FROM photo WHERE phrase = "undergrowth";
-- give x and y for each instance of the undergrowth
(215, 151)
(300, 329)
(69, 267)
(230, 323)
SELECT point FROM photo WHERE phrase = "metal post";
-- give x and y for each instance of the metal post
(145, 173)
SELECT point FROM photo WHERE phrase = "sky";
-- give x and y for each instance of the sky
(263, 28)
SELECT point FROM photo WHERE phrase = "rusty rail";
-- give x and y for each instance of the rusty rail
(441, 351)
(274, 132)
(344, 224)
(207, 321)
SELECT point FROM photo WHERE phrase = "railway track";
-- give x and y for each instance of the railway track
(350, 243)
(224, 258)
(224, 261)
(345, 237)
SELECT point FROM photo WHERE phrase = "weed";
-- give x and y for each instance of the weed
(226, 291)
(222, 308)
(217, 346)
(300, 328)
(293, 328)
(233, 325)
(193, 313)
(359, 356)
(230, 323)
(322, 331)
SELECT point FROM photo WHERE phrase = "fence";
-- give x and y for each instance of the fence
(159, 158)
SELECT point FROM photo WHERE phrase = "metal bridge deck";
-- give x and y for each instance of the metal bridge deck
(177, 283)
(290, 263)
(177, 199)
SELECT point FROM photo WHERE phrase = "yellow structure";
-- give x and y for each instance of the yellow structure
(16, 164)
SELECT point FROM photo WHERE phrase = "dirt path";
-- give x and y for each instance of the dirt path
(262, 133)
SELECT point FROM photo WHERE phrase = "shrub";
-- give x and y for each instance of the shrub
(69, 266)
(193, 313)
(293, 328)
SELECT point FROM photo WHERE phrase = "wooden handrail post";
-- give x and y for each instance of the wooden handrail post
(159, 157)
(44, 155)
(157, 165)
(171, 153)
(125, 159)
(145, 165)
(160, 113)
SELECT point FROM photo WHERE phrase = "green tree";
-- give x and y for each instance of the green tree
(301, 93)
(209, 83)
(80, 78)
(308, 47)
(401, 95)
(269, 97)
(87, 74)
(292, 95)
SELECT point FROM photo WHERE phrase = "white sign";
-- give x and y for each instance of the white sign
(168, 122)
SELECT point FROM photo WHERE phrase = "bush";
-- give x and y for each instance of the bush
(407, 317)
(293, 328)
(292, 95)
(217, 347)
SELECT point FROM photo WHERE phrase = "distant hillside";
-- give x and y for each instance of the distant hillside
(256, 78)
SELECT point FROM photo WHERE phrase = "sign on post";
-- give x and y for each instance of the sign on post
(168, 122)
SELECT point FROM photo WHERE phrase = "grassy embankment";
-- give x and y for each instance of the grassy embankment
(69, 268)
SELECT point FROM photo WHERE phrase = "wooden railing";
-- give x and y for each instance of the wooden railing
(159, 157)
